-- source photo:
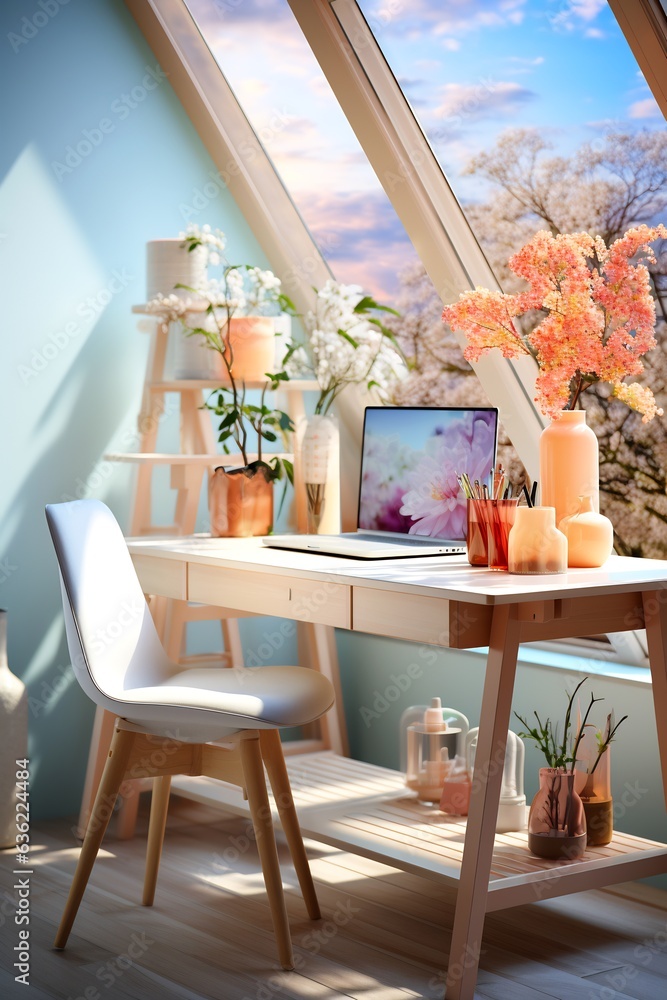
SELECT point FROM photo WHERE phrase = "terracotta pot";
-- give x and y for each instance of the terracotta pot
(251, 348)
(240, 505)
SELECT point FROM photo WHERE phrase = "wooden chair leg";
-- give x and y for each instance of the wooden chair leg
(272, 752)
(114, 772)
(156, 827)
(260, 811)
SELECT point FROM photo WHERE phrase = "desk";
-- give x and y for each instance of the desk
(441, 601)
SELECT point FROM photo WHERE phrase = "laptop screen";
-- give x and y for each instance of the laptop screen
(409, 463)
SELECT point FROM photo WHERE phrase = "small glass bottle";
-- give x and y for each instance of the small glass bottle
(433, 736)
(535, 544)
(598, 803)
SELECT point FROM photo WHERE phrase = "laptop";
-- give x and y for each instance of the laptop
(410, 503)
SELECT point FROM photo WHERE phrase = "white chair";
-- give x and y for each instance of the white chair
(216, 722)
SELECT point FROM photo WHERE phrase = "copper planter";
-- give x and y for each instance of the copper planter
(240, 503)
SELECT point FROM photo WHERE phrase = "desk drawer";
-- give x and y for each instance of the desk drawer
(263, 594)
(161, 576)
(431, 620)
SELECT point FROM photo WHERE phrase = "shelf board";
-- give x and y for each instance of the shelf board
(184, 385)
(154, 458)
(367, 810)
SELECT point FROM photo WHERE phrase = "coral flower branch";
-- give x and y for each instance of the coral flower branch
(597, 316)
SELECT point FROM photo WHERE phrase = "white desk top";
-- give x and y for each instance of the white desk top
(449, 577)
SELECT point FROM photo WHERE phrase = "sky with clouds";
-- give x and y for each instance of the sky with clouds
(470, 69)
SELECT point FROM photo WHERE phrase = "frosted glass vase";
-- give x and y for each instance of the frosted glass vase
(569, 464)
(535, 543)
(13, 738)
(318, 457)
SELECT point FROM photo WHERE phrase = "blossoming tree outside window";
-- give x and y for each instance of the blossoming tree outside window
(587, 316)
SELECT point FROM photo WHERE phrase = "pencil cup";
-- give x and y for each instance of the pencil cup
(476, 533)
(535, 543)
(500, 516)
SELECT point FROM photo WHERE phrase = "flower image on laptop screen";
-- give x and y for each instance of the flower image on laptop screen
(410, 461)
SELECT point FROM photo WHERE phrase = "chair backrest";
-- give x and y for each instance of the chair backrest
(110, 633)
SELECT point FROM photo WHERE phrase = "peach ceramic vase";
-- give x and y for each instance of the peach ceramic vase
(569, 464)
(590, 536)
(250, 348)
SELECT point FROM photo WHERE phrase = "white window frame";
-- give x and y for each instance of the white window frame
(412, 178)
(402, 158)
(644, 24)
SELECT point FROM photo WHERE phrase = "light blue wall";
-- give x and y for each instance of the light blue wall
(72, 359)
(71, 376)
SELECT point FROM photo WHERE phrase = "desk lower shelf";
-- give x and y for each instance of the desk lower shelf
(365, 809)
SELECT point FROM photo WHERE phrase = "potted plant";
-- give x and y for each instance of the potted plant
(347, 344)
(557, 818)
(241, 499)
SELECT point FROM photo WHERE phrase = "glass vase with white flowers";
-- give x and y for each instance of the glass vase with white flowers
(347, 344)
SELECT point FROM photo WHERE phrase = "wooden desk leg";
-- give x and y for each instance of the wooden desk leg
(494, 721)
(320, 642)
(655, 619)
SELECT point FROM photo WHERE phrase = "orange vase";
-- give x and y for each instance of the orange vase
(250, 347)
(569, 464)
(590, 536)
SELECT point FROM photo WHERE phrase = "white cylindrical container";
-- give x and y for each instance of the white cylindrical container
(13, 740)
(512, 805)
(169, 263)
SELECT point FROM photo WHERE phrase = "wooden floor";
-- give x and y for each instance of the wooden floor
(384, 934)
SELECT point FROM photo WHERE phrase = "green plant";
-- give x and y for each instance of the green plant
(557, 750)
(267, 423)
